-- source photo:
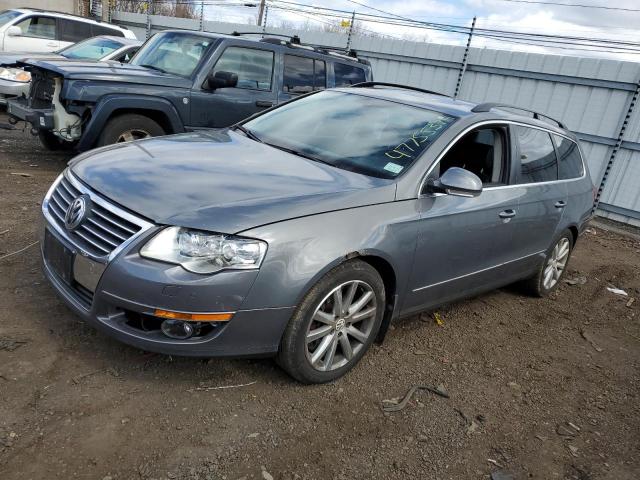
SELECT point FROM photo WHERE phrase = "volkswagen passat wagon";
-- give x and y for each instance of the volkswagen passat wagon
(303, 232)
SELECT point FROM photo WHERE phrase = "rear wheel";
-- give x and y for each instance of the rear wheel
(129, 127)
(334, 325)
(551, 271)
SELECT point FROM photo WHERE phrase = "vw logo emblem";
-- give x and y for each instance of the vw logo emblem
(76, 213)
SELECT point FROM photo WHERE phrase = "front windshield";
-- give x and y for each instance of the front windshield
(355, 132)
(172, 52)
(91, 49)
(7, 15)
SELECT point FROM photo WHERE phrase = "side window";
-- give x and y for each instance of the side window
(100, 30)
(483, 152)
(569, 159)
(72, 31)
(538, 162)
(39, 27)
(348, 74)
(303, 74)
(253, 67)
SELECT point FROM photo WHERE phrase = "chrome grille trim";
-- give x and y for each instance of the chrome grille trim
(101, 236)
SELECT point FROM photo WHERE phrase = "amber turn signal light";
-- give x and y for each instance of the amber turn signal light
(194, 317)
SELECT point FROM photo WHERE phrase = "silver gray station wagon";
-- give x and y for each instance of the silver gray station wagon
(303, 232)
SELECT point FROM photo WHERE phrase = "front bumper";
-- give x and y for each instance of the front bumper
(39, 118)
(9, 89)
(118, 293)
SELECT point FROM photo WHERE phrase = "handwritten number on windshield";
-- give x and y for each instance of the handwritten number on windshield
(418, 138)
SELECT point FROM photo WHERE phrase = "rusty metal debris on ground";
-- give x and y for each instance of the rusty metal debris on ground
(630, 302)
(576, 281)
(618, 291)
(589, 339)
(21, 174)
(394, 406)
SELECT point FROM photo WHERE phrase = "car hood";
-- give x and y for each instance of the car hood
(8, 59)
(222, 181)
(112, 72)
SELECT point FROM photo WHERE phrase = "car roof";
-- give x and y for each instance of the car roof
(450, 106)
(68, 16)
(291, 49)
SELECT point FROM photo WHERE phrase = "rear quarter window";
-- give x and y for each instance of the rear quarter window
(102, 30)
(537, 155)
(348, 74)
(569, 159)
(73, 31)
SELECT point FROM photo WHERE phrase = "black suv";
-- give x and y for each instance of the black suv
(178, 81)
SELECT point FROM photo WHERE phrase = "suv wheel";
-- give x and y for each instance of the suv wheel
(552, 269)
(129, 127)
(49, 141)
(334, 325)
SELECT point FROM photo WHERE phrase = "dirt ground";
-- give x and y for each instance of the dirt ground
(543, 389)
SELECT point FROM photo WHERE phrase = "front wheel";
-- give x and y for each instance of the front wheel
(334, 325)
(129, 127)
(552, 269)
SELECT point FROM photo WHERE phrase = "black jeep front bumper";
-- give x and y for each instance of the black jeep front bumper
(39, 118)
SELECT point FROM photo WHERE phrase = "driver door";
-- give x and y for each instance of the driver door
(465, 243)
(255, 90)
(38, 35)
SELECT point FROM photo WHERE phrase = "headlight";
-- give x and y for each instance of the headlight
(204, 252)
(15, 74)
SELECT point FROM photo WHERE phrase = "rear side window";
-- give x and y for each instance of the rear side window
(39, 27)
(538, 161)
(348, 74)
(100, 30)
(303, 74)
(253, 67)
(72, 31)
(569, 159)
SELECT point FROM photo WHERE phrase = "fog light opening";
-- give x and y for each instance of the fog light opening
(177, 329)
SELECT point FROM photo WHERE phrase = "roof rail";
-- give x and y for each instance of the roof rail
(486, 107)
(293, 41)
(397, 85)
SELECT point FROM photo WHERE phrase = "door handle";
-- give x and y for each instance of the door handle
(561, 204)
(510, 213)
(264, 103)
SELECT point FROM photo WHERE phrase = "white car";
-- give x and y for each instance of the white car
(34, 31)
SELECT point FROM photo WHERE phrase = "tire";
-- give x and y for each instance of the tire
(315, 316)
(128, 127)
(538, 285)
(49, 141)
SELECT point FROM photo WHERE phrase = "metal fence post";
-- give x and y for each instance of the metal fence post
(465, 58)
(148, 19)
(202, 15)
(616, 147)
(353, 19)
(264, 23)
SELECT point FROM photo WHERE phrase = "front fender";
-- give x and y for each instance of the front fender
(110, 104)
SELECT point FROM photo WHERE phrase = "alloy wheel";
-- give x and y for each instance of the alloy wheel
(341, 325)
(556, 263)
(133, 134)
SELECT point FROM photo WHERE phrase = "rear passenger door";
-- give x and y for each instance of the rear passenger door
(301, 75)
(255, 90)
(542, 198)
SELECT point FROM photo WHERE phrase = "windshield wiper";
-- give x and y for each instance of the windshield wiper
(153, 67)
(299, 153)
(248, 133)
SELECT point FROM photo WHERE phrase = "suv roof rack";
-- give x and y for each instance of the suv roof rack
(486, 107)
(293, 41)
(396, 85)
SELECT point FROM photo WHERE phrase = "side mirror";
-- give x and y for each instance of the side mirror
(457, 181)
(221, 80)
(14, 31)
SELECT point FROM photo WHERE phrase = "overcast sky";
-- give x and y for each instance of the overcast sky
(494, 14)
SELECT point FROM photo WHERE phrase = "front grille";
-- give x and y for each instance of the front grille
(41, 90)
(101, 232)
